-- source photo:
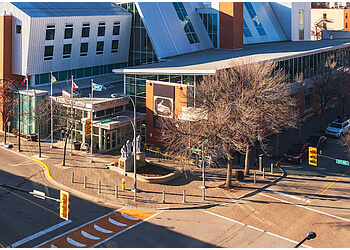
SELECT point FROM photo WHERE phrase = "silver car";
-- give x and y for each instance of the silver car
(338, 127)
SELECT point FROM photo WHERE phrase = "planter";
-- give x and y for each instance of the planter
(239, 175)
(77, 145)
(33, 137)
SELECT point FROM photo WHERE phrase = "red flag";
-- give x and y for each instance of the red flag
(74, 85)
(25, 78)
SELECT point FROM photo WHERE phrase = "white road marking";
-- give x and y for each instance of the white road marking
(75, 243)
(77, 227)
(255, 228)
(128, 217)
(22, 163)
(126, 229)
(288, 195)
(335, 141)
(98, 228)
(116, 222)
(311, 209)
(87, 235)
(34, 236)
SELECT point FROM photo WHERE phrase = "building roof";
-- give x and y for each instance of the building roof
(59, 9)
(208, 61)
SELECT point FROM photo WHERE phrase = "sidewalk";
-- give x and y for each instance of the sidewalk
(149, 196)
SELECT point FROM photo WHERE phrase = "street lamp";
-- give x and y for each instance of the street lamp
(134, 128)
(310, 236)
(19, 113)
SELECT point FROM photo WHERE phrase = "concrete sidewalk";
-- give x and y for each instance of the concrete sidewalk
(149, 196)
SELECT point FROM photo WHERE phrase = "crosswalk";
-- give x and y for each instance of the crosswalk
(100, 230)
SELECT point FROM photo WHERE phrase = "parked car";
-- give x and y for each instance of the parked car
(317, 141)
(297, 152)
(338, 127)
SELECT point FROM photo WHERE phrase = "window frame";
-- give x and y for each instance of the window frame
(99, 50)
(65, 54)
(50, 28)
(68, 29)
(49, 56)
(84, 53)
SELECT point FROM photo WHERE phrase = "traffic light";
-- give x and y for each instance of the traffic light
(88, 127)
(64, 204)
(313, 156)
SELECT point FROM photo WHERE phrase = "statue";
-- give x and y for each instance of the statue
(128, 148)
(123, 152)
(138, 144)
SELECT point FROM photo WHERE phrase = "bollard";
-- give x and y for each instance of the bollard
(163, 201)
(84, 181)
(123, 184)
(203, 193)
(72, 177)
(116, 191)
(271, 168)
(254, 177)
(260, 162)
(99, 187)
(184, 196)
(263, 172)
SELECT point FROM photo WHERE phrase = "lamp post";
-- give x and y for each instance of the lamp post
(134, 128)
(310, 236)
(19, 113)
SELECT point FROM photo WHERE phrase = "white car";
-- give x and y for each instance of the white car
(338, 127)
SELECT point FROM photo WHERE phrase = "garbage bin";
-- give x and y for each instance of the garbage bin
(239, 175)
(33, 137)
(77, 145)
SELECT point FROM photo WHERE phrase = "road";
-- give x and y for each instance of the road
(23, 216)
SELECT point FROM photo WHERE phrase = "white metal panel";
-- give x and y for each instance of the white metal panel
(36, 63)
(165, 30)
(296, 6)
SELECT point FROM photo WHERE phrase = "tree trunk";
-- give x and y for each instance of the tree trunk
(65, 145)
(277, 137)
(321, 118)
(247, 160)
(39, 139)
(229, 172)
(4, 126)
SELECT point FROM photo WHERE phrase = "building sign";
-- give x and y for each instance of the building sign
(163, 106)
(87, 127)
(106, 120)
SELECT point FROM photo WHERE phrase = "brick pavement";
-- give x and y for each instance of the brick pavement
(150, 196)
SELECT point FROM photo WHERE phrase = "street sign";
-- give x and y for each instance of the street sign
(106, 120)
(342, 162)
(38, 194)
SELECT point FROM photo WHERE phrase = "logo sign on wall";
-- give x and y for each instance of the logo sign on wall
(163, 106)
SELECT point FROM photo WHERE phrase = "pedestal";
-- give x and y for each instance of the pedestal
(127, 164)
(140, 159)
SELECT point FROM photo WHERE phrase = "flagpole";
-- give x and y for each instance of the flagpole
(91, 113)
(51, 113)
(71, 132)
(27, 104)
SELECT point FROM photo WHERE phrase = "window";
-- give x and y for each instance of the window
(116, 28)
(324, 26)
(85, 31)
(84, 49)
(115, 44)
(186, 22)
(101, 29)
(255, 19)
(246, 31)
(68, 32)
(18, 29)
(67, 50)
(301, 16)
(307, 99)
(50, 32)
(48, 54)
(301, 33)
(324, 15)
(99, 47)
(346, 15)
(346, 25)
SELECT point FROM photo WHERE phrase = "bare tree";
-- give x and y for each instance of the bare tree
(238, 106)
(6, 104)
(342, 88)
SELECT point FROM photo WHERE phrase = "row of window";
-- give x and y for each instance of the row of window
(255, 19)
(85, 30)
(84, 48)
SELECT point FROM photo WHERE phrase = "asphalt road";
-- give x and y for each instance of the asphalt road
(23, 215)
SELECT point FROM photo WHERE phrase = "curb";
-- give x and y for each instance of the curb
(45, 166)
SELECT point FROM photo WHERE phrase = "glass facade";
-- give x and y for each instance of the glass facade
(246, 31)
(210, 21)
(186, 22)
(78, 73)
(255, 19)
(141, 49)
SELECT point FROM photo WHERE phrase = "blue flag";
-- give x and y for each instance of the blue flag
(97, 87)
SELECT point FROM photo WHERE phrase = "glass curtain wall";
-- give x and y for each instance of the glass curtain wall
(210, 21)
(141, 49)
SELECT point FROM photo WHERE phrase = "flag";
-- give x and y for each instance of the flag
(53, 78)
(74, 85)
(97, 87)
(25, 78)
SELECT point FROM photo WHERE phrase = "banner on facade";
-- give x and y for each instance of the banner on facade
(87, 127)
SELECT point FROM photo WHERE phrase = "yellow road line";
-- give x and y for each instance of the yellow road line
(1, 245)
(329, 186)
(29, 201)
(45, 166)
